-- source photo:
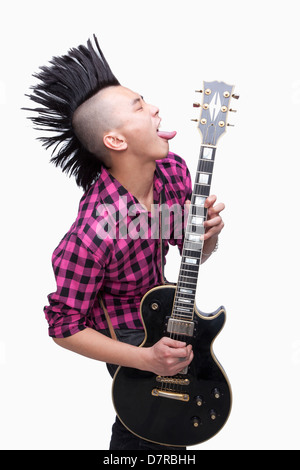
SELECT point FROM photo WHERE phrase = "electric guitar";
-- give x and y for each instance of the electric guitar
(192, 406)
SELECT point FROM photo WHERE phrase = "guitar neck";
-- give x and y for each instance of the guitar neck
(193, 244)
(211, 124)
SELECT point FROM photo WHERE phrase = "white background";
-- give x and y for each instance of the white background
(163, 49)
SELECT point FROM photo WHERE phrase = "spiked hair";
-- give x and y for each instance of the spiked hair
(68, 82)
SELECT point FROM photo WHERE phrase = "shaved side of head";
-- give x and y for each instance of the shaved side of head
(92, 120)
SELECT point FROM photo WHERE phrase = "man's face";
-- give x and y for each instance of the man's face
(138, 122)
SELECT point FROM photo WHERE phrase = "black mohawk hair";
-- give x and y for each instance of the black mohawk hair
(64, 85)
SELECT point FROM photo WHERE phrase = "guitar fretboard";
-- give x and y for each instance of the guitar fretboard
(183, 307)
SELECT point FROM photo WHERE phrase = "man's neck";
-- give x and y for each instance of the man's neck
(138, 180)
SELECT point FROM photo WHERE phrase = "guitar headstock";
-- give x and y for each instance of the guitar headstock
(215, 107)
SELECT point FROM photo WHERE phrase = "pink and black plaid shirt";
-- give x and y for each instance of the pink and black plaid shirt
(113, 248)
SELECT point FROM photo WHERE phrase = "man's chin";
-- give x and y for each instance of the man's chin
(163, 154)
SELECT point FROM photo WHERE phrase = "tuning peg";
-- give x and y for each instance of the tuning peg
(198, 91)
(196, 105)
(236, 97)
(195, 120)
(230, 125)
(233, 110)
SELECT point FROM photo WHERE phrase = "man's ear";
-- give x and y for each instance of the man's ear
(115, 142)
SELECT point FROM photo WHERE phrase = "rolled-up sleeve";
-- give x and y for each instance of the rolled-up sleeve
(79, 276)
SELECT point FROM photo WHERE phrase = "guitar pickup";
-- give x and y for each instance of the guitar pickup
(180, 327)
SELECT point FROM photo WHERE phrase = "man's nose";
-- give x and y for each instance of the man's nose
(154, 110)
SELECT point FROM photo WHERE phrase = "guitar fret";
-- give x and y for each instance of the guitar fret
(197, 220)
(184, 308)
(189, 285)
(198, 201)
(192, 228)
(206, 167)
(193, 246)
(192, 253)
(191, 249)
(185, 301)
(207, 153)
(194, 236)
(178, 314)
(190, 277)
(201, 190)
(186, 291)
(202, 170)
(182, 295)
(203, 177)
(198, 210)
(195, 230)
(190, 260)
(186, 270)
(185, 313)
(185, 296)
(191, 267)
(194, 271)
(187, 274)
(187, 306)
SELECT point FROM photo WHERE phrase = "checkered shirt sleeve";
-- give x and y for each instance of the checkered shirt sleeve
(79, 276)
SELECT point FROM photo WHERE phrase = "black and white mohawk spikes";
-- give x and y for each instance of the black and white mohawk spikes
(64, 85)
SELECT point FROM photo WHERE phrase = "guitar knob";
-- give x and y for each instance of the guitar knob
(196, 421)
(216, 393)
(199, 401)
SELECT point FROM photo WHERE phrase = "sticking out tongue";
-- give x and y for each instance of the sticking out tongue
(166, 135)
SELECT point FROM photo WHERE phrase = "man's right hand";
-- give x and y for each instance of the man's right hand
(168, 356)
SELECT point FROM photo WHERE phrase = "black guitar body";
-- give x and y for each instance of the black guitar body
(183, 410)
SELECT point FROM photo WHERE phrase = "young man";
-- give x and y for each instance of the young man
(109, 138)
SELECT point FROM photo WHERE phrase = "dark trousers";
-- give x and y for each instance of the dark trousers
(121, 438)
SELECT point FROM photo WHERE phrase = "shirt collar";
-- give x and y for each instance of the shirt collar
(110, 189)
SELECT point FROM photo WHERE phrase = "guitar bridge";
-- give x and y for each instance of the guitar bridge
(180, 327)
(172, 380)
(172, 395)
